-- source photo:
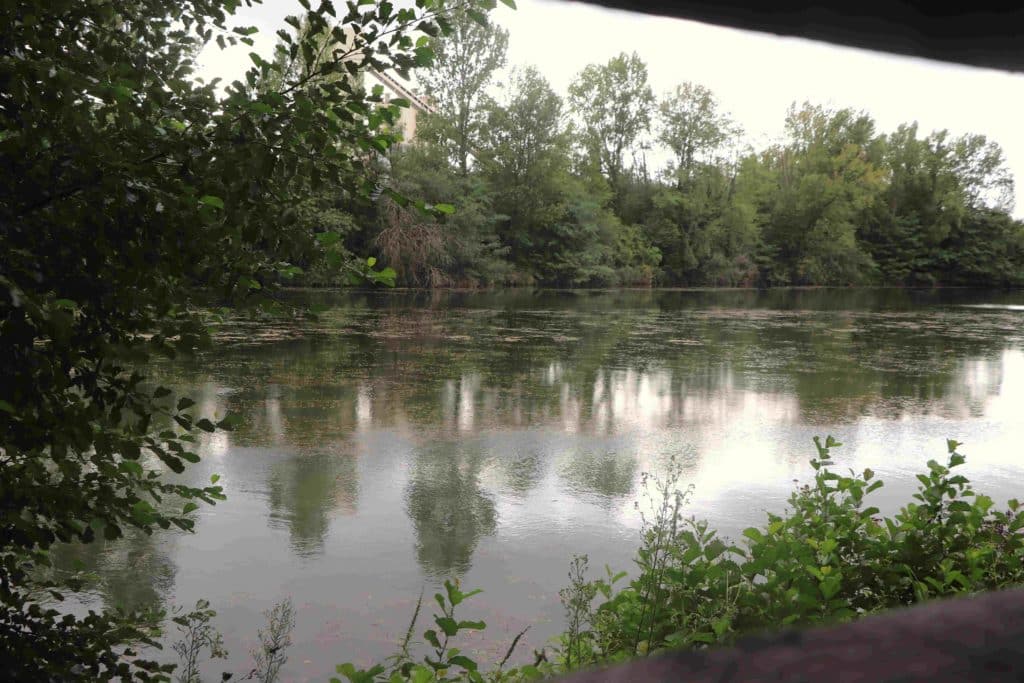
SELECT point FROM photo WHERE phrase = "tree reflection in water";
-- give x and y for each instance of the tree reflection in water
(305, 490)
(425, 417)
(449, 510)
(133, 573)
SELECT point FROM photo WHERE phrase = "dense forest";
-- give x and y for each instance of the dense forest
(557, 191)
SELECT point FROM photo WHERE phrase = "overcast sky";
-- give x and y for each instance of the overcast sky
(755, 76)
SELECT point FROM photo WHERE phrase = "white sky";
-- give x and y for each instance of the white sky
(755, 76)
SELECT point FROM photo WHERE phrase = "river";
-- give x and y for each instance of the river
(404, 437)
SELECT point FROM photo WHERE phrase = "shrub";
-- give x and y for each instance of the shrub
(829, 557)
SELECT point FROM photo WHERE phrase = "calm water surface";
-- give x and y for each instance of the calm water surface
(403, 438)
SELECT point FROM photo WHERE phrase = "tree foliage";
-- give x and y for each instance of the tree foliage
(561, 195)
(694, 129)
(132, 193)
(830, 557)
(613, 102)
(464, 64)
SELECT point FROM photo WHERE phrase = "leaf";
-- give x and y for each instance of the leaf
(386, 276)
(447, 209)
(463, 661)
(161, 392)
(131, 467)
(121, 92)
(714, 549)
(230, 421)
(425, 55)
(249, 283)
(171, 461)
(327, 239)
(829, 587)
(206, 425)
(422, 674)
(211, 200)
(448, 625)
(431, 637)
(509, 3)
(143, 512)
(185, 403)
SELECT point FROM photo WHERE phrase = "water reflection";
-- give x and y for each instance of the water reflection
(405, 437)
(707, 365)
(448, 508)
(609, 474)
(306, 491)
(134, 573)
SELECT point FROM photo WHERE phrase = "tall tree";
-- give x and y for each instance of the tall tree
(917, 209)
(940, 190)
(693, 127)
(464, 63)
(980, 165)
(613, 102)
(524, 150)
(828, 180)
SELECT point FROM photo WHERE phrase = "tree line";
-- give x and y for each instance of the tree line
(557, 191)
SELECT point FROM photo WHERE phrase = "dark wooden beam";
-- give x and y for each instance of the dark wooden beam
(984, 33)
(945, 641)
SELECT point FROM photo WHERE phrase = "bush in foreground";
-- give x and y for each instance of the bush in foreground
(830, 557)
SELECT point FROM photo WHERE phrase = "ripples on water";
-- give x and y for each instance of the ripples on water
(405, 437)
